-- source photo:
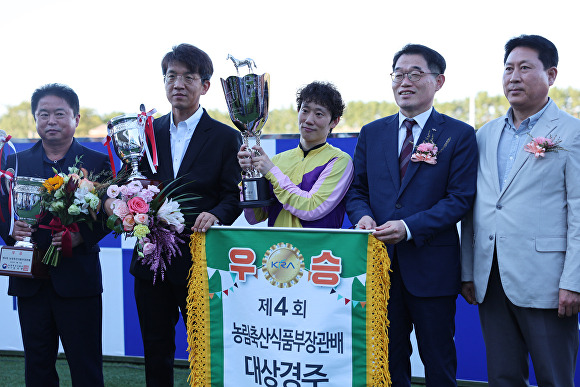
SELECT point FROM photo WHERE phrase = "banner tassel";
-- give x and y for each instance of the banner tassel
(378, 285)
(198, 315)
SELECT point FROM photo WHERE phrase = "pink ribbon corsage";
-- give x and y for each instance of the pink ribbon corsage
(427, 151)
(540, 145)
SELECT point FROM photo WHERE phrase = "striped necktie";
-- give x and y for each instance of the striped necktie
(407, 149)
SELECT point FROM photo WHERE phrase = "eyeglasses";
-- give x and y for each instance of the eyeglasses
(413, 76)
(187, 79)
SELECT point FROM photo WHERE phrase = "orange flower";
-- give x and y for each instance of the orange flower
(53, 183)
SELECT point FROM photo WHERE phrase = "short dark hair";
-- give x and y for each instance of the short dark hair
(324, 94)
(547, 51)
(435, 61)
(196, 60)
(58, 90)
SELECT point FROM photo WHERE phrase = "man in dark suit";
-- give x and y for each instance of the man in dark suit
(201, 153)
(413, 182)
(67, 305)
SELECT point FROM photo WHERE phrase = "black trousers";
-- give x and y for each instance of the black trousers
(158, 308)
(433, 319)
(77, 321)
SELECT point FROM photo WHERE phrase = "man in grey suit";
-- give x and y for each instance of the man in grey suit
(521, 243)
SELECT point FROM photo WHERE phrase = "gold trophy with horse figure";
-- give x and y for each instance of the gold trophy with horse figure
(247, 101)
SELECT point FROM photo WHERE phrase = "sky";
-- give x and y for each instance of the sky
(110, 52)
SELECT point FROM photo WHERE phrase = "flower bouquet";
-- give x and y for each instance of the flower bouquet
(71, 198)
(148, 214)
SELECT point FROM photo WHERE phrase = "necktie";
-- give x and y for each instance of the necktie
(405, 155)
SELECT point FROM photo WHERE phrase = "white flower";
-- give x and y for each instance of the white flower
(169, 213)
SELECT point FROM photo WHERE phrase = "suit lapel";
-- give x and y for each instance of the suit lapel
(545, 125)
(433, 127)
(493, 142)
(391, 147)
(198, 140)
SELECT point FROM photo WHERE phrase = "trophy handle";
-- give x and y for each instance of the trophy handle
(8, 182)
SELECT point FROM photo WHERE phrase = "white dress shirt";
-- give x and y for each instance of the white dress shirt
(180, 137)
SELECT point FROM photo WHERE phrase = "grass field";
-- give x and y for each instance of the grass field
(116, 373)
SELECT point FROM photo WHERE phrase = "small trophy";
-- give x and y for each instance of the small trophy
(247, 101)
(129, 134)
(23, 259)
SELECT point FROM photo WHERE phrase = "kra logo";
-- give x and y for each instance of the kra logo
(283, 265)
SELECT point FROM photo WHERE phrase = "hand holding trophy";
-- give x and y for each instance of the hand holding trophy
(247, 102)
(22, 259)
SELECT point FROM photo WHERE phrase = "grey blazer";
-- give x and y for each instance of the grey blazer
(534, 221)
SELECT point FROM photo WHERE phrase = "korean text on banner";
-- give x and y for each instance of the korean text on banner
(288, 307)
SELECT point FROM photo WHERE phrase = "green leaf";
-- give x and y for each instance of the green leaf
(113, 225)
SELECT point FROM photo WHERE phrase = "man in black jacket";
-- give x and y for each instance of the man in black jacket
(201, 153)
(67, 305)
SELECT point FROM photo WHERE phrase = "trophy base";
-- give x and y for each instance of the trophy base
(257, 203)
(24, 262)
(136, 176)
(256, 193)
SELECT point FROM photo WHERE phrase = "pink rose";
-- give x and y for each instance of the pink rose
(141, 218)
(138, 205)
(128, 223)
(120, 208)
(148, 248)
(84, 183)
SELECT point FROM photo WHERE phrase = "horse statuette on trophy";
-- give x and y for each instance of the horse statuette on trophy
(247, 102)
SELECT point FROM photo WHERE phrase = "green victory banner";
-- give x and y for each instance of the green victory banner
(288, 307)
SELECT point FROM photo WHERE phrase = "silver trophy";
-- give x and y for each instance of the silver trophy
(247, 102)
(128, 135)
(23, 259)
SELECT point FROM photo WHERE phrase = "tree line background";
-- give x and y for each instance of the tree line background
(19, 123)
